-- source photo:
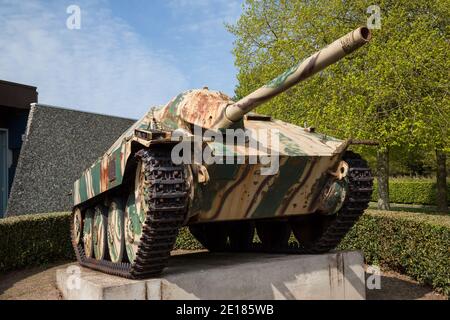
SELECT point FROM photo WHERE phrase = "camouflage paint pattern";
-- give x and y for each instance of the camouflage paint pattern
(135, 214)
(241, 192)
(99, 232)
(198, 107)
(77, 225)
(107, 172)
(234, 191)
(116, 242)
(88, 227)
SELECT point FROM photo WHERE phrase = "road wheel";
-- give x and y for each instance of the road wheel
(77, 226)
(116, 238)
(135, 213)
(100, 232)
(88, 227)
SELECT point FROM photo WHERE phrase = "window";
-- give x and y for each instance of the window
(3, 170)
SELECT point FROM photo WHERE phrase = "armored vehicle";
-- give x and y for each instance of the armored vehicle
(130, 204)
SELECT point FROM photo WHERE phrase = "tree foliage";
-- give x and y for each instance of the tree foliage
(394, 90)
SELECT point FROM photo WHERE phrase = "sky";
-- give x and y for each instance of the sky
(127, 55)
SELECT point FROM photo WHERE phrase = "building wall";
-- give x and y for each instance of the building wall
(59, 145)
(15, 121)
(4, 164)
(15, 101)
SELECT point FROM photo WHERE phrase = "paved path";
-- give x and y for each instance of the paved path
(39, 283)
(31, 284)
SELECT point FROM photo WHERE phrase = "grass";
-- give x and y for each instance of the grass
(415, 208)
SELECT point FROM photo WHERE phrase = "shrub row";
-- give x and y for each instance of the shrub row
(186, 241)
(411, 191)
(34, 240)
(417, 245)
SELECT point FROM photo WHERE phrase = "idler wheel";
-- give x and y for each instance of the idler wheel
(273, 233)
(213, 236)
(88, 227)
(116, 237)
(100, 232)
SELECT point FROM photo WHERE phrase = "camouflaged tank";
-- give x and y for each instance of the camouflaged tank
(130, 204)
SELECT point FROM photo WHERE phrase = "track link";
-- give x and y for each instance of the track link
(166, 198)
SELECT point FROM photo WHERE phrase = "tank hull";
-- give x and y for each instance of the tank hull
(232, 191)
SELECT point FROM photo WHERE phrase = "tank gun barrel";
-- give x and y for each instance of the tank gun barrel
(308, 67)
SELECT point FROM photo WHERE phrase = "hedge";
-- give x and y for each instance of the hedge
(34, 240)
(414, 244)
(414, 191)
(186, 241)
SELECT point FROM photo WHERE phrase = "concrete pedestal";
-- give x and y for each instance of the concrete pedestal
(204, 275)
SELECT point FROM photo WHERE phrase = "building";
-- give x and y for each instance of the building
(58, 145)
(44, 149)
(15, 101)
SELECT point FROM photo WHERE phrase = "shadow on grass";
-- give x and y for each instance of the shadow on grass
(37, 282)
(410, 208)
(393, 288)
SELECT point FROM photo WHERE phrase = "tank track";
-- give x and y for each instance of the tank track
(360, 183)
(164, 220)
(166, 197)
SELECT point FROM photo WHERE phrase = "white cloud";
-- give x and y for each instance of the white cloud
(104, 67)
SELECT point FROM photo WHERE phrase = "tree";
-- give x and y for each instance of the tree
(394, 90)
(441, 183)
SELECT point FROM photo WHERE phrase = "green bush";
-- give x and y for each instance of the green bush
(417, 245)
(186, 241)
(34, 239)
(411, 191)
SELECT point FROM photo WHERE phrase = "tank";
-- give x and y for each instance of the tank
(177, 167)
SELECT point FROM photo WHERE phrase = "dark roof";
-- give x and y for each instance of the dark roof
(10, 83)
(59, 145)
(16, 95)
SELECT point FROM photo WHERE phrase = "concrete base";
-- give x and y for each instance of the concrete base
(227, 276)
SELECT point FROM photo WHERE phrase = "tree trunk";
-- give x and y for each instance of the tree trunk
(383, 179)
(441, 181)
